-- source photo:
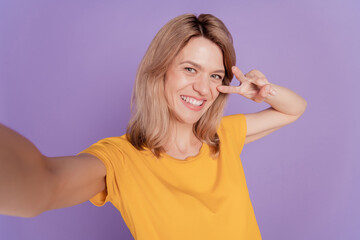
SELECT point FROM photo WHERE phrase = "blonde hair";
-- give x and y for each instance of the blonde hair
(150, 120)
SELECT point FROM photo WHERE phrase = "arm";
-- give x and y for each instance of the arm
(31, 183)
(286, 105)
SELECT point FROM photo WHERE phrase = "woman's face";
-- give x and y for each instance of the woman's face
(192, 78)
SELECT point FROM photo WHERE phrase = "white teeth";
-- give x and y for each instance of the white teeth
(192, 101)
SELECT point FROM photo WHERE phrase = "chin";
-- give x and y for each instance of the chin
(188, 119)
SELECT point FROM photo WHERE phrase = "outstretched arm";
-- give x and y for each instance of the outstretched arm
(31, 183)
(286, 105)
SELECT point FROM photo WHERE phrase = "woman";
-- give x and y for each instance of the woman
(176, 174)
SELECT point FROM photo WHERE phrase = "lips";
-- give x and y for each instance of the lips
(192, 102)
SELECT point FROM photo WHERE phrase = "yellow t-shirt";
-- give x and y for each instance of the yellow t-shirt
(170, 199)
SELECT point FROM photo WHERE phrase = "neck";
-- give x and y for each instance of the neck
(181, 138)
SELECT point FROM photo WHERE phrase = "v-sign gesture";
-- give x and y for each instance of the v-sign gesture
(286, 105)
(253, 85)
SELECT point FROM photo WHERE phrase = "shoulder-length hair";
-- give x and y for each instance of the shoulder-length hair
(149, 124)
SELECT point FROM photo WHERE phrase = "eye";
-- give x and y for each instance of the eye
(216, 76)
(189, 69)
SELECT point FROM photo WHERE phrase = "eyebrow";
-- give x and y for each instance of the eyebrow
(198, 66)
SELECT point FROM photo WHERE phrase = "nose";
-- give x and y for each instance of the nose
(201, 85)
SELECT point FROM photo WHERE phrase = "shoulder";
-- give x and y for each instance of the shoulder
(233, 122)
(117, 142)
(232, 131)
(233, 126)
(114, 141)
(233, 118)
(111, 147)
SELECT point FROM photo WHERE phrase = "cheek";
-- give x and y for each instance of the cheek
(170, 88)
(214, 91)
(172, 81)
(167, 90)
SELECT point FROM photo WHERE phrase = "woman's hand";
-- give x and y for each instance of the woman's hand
(286, 105)
(253, 85)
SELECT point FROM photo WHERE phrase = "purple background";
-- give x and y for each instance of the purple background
(67, 71)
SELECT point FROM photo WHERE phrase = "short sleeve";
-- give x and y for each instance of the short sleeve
(233, 130)
(110, 154)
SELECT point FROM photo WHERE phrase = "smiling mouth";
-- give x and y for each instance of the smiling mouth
(192, 101)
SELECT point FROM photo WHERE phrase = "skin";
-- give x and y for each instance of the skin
(285, 105)
(57, 182)
(197, 71)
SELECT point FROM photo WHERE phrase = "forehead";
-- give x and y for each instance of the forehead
(203, 52)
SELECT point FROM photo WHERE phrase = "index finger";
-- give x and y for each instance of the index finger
(239, 74)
